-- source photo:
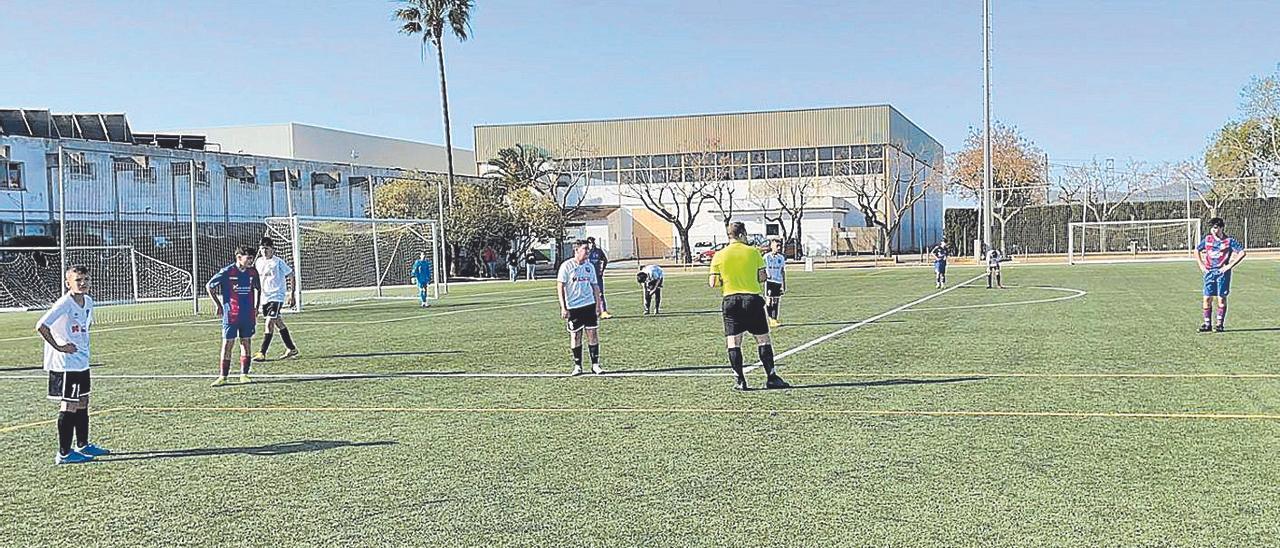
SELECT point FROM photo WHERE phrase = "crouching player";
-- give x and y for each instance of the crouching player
(1218, 254)
(650, 277)
(235, 291)
(993, 268)
(65, 330)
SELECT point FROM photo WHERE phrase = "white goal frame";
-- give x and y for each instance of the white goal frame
(295, 222)
(1193, 238)
(134, 272)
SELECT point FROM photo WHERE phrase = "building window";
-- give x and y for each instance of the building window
(757, 156)
(775, 171)
(658, 175)
(825, 169)
(875, 167)
(808, 155)
(840, 168)
(875, 151)
(293, 176)
(11, 176)
(826, 153)
(858, 168)
(840, 153)
(772, 229)
(625, 162)
(740, 172)
(740, 158)
(609, 163)
(857, 152)
(183, 169)
(791, 155)
(773, 156)
(757, 172)
(245, 175)
(658, 161)
(611, 176)
(792, 170)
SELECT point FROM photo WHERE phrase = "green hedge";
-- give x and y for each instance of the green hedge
(1043, 229)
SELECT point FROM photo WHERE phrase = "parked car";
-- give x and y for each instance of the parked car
(705, 256)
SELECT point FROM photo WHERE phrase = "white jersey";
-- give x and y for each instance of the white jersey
(993, 258)
(68, 322)
(578, 280)
(774, 265)
(273, 272)
(653, 271)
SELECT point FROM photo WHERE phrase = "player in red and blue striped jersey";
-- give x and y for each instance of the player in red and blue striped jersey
(1217, 255)
(235, 291)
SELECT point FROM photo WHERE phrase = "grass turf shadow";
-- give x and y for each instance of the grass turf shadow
(886, 382)
(389, 354)
(269, 450)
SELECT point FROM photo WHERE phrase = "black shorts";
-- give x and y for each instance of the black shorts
(583, 317)
(773, 289)
(744, 312)
(653, 285)
(271, 310)
(68, 386)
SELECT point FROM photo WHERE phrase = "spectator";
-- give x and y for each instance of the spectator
(490, 258)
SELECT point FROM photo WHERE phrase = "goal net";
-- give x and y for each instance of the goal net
(1151, 240)
(32, 278)
(339, 259)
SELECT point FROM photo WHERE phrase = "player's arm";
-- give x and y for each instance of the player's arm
(762, 275)
(1236, 257)
(42, 327)
(1200, 259)
(211, 287)
(595, 290)
(564, 306)
(714, 280)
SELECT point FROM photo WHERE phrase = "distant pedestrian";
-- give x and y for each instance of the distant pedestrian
(490, 258)
(513, 262)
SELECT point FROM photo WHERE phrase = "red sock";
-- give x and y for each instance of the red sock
(224, 367)
(244, 365)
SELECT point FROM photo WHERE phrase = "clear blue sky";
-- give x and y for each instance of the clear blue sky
(1123, 79)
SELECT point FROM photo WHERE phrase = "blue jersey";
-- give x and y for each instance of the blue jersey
(238, 288)
(597, 259)
(422, 271)
(940, 253)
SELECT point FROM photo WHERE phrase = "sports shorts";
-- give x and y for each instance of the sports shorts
(69, 386)
(1216, 283)
(773, 289)
(583, 317)
(271, 309)
(238, 330)
(744, 312)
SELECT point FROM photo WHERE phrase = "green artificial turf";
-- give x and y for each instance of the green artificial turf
(1028, 416)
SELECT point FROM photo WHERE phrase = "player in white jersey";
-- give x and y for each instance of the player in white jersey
(650, 277)
(580, 305)
(993, 267)
(65, 330)
(277, 293)
(775, 267)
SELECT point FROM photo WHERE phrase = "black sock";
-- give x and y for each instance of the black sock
(66, 424)
(595, 353)
(577, 356)
(648, 300)
(288, 341)
(82, 427)
(766, 358)
(735, 362)
(266, 342)
(657, 300)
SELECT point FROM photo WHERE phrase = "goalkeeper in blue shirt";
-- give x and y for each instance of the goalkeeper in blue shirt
(421, 277)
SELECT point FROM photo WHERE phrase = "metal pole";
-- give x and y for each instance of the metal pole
(986, 121)
(195, 254)
(377, 264)
(296, 233)
(133, 264)
(62, 214)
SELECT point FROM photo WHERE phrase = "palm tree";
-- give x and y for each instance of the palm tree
(428, 18)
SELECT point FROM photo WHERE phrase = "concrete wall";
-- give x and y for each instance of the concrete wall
(307, 142)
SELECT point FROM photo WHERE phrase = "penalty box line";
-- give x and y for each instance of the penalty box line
(426, 375)
(677, 411)
(872, 319)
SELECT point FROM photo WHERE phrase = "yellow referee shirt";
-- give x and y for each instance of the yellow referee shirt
(738, 266)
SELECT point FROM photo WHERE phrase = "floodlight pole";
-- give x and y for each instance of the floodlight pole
(986, 122)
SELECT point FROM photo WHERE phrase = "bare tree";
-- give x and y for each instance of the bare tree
(1102, 189)
(783, 202)
(1018, 173)
(723, 195)
(1212, 192)
(885, 201)
(678, 195)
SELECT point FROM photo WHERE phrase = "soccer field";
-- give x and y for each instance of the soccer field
(1077, 407)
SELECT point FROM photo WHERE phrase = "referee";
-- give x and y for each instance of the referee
(739, 270)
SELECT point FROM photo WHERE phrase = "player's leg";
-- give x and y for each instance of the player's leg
(734, 315)
(657, 298)
(246, 342)
(990, 273)
(261, 356)
(291, 349)
(575, 347)
(1206, 306)
(734, 343)
(759, 328)
(593, 347)
(83, 445)
(60, 391)
(648, 299)
(224, 357)
(999, 283)
(604, 304)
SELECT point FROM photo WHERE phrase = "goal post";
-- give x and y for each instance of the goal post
(343, 259)
(32, 278)
(1138, 240)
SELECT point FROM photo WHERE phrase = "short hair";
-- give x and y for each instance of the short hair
(78, 269)
(580, 242)
(266, 241)
(1217, 222)
(245, 250)
(591, 239)
(736, 229)
(775, 241)
(641, 277)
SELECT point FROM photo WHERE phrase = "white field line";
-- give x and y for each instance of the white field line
(392, 375)
(877, 317)
(1075, 293)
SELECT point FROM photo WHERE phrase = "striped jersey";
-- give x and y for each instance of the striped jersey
(1218, 250)
(237, 288)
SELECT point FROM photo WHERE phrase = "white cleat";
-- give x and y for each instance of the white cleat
(577, 370)
(595, 368)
